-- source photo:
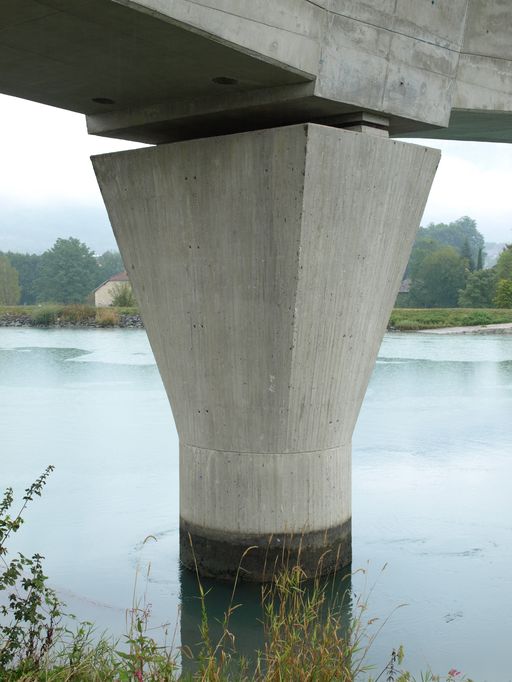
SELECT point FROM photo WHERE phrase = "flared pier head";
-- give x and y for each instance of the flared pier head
(265, 265)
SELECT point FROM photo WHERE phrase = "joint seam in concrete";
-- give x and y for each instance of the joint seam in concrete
(250, 452)
(202, 5)
(456, 50)
(389, 30)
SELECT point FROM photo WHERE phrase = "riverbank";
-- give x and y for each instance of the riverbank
(452, 320)
(438, 320)
(505, 328)
(69, 316)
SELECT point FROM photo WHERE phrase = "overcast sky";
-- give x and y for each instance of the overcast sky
(48, 188)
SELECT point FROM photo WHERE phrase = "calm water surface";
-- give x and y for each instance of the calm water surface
(432, 488)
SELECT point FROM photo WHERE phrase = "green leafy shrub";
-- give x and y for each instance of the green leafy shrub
(503, 297)
(123, 297)
(32, 610)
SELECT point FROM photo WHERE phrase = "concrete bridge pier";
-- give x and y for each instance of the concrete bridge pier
(266, 265)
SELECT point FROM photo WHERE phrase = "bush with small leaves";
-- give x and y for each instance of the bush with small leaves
(45, 316)
(124, 298)
(30, 608)
(503, 298)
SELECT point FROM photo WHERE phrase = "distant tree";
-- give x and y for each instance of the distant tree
(439, 278)
(27, 265)
(455, 234)
(503, 298)
(504, 264)
(423, 247)
(480, 259)
(480, 289)
(109, 263)
(69, 272)
(466, 254)
(9, 283)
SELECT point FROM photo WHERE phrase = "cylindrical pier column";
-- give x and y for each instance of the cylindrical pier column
(265, 265)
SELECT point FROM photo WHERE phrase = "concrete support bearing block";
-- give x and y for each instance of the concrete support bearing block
(265, 265)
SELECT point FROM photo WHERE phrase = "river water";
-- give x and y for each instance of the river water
(432, 489)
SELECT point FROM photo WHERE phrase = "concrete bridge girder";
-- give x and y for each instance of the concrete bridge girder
(435, 69)
(162, 70)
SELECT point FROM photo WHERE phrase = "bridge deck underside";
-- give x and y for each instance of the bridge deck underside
(149, 77)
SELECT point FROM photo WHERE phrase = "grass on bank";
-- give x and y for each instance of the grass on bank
(412, 319)
(309, 634)
(50, 314)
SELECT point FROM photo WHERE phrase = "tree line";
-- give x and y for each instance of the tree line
(447, 269)
(68, 272)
